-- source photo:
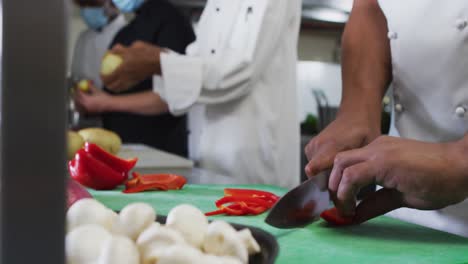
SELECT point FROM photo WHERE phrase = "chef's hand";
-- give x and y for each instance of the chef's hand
(345, 133)
(140, 61)
(414, 174)
(93, 102)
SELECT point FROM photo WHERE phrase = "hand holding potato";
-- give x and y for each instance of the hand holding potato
(140, 61)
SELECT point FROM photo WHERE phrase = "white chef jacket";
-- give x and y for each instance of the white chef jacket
(90, 49)
(429, 47)
(242, 68)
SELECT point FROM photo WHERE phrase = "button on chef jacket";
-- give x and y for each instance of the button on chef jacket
(91, 47)
(429, 47)
(242, 68)
(160, 23)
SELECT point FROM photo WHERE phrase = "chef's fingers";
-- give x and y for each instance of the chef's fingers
(320, 161)
(93, 89)
(378, 203)
(80, 101)
(118, 49)
(116, 86)
(352, 180)
(108, 79)
(342, 161)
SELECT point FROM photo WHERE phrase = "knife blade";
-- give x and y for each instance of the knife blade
(299, 207)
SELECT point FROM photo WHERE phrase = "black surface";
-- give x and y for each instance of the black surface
(268, 244)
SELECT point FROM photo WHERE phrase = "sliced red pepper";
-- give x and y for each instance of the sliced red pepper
(253, 208)
(173, 182)
(164, 182)
(254, 193)
(146, 187)
(94, 173)
(114, 162)
(333, 217)
(234, 209)
(243, 198)
(216, 212)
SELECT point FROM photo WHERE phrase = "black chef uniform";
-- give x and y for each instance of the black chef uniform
(159, 23)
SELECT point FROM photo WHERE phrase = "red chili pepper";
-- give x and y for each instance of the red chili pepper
(114, 162)
(164, 182)
(93, 173)
(333, 217)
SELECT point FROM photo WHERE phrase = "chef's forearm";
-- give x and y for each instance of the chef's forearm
(366, 61)
(144, 103)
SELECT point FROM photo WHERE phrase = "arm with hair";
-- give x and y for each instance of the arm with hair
(366, 76)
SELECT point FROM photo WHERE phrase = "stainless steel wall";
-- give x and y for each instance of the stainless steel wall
(33, 111)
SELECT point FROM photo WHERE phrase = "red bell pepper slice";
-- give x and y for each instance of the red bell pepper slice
(253, 208)
(333, 217)
(114, 162)
(173, 182)
(244, 202)
(216, 212)
(146, 187)
(164, 182)
(253, 193)
(234, 209)
(94, 173)
(243, 198)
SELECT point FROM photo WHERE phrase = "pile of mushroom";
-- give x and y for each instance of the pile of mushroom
(98, 235)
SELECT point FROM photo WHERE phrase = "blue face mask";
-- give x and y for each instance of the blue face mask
(94, 17)
(128, 6)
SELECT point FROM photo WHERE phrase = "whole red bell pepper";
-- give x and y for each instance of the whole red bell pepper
(94, 173)
(115, 162)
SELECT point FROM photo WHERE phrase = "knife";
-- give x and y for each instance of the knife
(299, 207)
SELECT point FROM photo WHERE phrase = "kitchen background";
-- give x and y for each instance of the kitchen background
(319, 47)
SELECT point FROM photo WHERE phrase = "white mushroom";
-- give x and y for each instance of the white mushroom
(190, 222)
(119, 250)
(180, 254)
(133, 219)
(222, 240)
(89, 211)
(154, 241)
(249, 241)
(83, 245)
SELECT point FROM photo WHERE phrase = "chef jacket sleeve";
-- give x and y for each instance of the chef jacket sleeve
(229, 73)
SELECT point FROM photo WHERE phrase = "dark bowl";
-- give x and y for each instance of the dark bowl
(268, 244)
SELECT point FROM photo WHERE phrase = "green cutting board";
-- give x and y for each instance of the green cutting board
(382, 240)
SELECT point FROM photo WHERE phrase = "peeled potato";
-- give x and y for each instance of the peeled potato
(110, 62)
(106, 139)
(84, 86)
(75, 143)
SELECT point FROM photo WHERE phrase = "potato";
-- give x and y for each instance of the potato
(105, 139)
(75, 143)
(110, 62)
(84, 85)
